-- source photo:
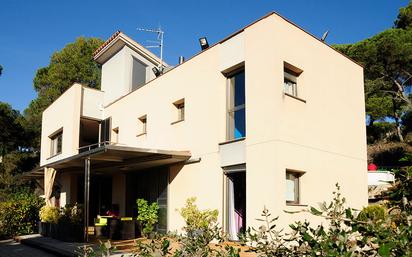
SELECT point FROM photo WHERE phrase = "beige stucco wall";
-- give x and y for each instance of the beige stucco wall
(117, 74)
(324, 137)
(63, 113)
(92, 103)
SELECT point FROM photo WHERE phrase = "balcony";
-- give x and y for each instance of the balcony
(77, 114)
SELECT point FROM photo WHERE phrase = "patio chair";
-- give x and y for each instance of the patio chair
(127, 230)
(100, 227)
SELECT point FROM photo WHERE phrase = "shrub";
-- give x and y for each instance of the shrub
(49, 214)
(19, 214)
(195, 219)
(147, 215)
(372, 213)
(72, 214)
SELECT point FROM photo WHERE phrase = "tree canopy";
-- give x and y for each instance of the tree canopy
(73, 64)
(387, 61)
(404, 19)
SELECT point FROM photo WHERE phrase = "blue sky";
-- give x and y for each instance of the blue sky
(32, 30)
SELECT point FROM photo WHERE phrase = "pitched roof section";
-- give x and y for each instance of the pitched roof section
(116, 42)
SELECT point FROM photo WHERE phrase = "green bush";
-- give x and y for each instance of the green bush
(372, 213)
(196, 219)
(49, 214)
(147, 215)
(72, 214)
(19, 214)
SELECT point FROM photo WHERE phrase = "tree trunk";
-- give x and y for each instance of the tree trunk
(397, 118)
(398, 127)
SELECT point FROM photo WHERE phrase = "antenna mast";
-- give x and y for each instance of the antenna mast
(158, 42)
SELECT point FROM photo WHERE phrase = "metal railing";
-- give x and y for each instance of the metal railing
(87, 148)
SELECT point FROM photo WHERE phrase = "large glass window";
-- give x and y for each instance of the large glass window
(236, 107)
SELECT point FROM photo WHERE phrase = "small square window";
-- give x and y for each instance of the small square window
(56, 143)
(293, 187)
(143, 125)
(290, 79)
(180, 110)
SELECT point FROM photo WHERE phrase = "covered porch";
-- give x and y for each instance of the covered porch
(107, 179)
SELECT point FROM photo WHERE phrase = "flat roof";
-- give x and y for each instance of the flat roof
(114, 158)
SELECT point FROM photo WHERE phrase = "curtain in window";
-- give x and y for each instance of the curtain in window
(49, 176)
(232, 226)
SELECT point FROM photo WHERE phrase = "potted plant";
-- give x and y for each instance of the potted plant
(49, 216)
(70, 227)
(147, 216)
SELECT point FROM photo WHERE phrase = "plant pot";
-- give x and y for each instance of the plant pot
(127, 230)
(54, 231)
(114, 229)
(44, 228)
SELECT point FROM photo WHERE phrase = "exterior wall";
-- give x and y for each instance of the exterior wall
(117, 74)
(92, 103)
(63, 113)
(324, 137)
(119, 192)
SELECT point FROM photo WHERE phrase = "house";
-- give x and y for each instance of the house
(269, 117)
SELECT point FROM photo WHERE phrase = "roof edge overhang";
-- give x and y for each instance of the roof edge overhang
(98, 154)
(116, 42)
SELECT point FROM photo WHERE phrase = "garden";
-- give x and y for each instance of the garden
(377, 230)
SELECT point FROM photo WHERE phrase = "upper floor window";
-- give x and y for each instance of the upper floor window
(143, 125)
(180, 110)
(56, 142)
(236, 123)
(290, 79)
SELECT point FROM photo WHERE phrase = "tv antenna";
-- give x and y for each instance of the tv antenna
(324, 36)
(157, 43)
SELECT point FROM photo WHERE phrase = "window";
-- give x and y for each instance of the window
(180, 107)
(56, 143)
(143, 125)
(236, 124)
(290, 80)
(105, 126)
(293, 187)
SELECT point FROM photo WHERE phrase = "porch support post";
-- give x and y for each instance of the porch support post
(86, 197)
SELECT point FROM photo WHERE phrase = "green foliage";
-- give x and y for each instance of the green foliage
(147, 215)
(104, 249)
(49, 214)
(387, 61)
(73, 64)
(373, 213)
(12, 134)
(400, 194)
(404, 20)
(71, 214)
(158, 246)
(196, 219)
(19, 214)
